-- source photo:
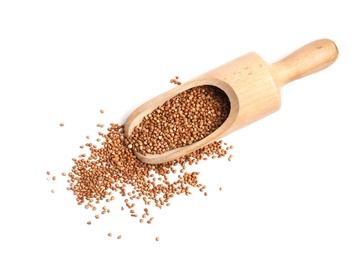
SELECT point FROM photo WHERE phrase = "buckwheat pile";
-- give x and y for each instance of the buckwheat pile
(111, 170)
(187, 118)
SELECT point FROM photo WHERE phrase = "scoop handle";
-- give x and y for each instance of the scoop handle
(305, 61)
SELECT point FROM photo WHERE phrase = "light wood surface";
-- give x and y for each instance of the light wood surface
(252, 85)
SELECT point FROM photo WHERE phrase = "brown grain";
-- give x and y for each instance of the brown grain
(187, 118)
(175, 81)
(113, 169)
(112, 166)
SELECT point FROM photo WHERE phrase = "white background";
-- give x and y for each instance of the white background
(293, 189)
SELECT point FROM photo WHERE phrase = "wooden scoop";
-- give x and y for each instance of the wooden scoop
(252, 86)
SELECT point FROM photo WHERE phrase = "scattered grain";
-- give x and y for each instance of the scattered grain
(157, 239)
(110, 234)
(61, 124)
(119, 237)
(114, 169)
(52, 191)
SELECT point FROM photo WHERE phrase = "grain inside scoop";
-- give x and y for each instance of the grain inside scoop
(252, 87)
